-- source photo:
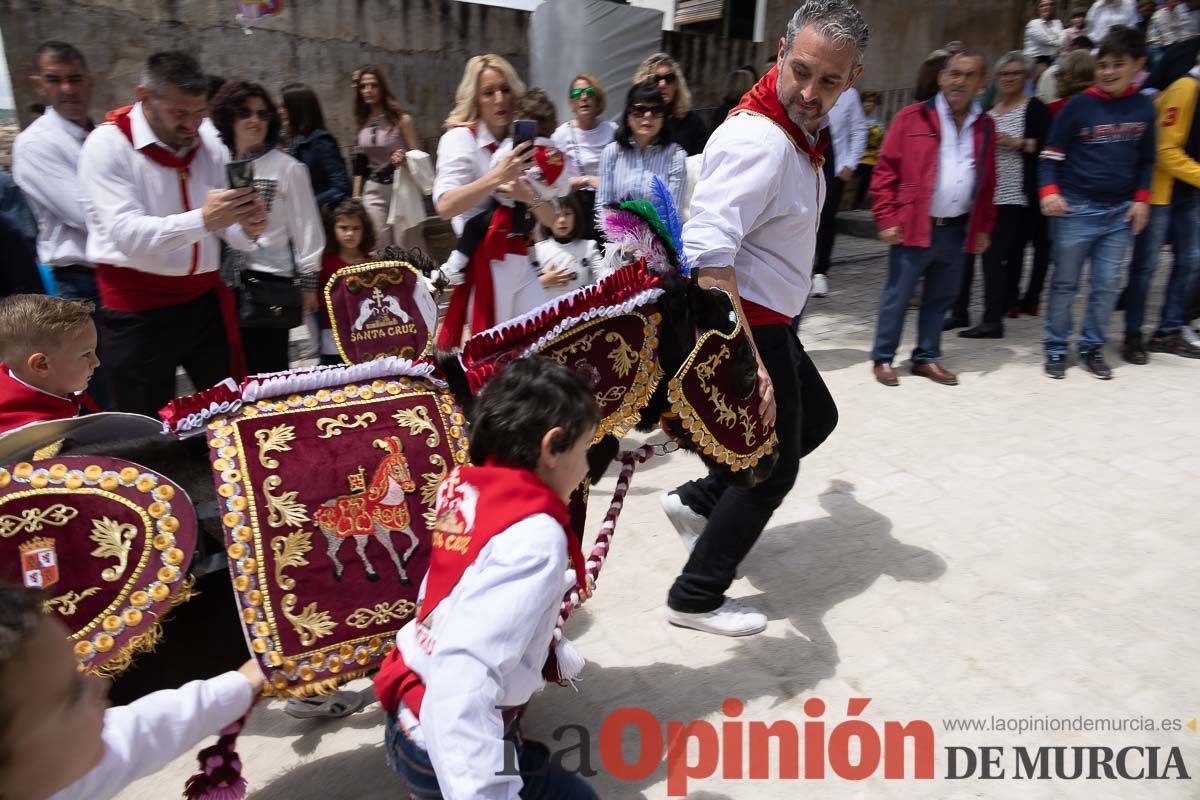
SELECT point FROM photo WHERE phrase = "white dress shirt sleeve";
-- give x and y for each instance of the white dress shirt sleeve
(304, 220)
(49, 176)
(457, 163)
(738, 179)
(146, 735)
(856, 121)
(478, 648)
(111, 201)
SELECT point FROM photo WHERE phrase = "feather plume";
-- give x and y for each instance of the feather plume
(664, 204)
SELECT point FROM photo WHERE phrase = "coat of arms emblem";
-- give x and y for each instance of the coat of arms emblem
(39, 563)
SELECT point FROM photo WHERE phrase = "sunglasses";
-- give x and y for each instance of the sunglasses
(583, 91)
(640, 110)
(244, 113)
(668, 78)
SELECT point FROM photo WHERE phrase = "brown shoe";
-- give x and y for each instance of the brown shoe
(935, 373)
(886, 374)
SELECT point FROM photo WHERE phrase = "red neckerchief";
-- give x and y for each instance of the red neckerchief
(474, 505)
(763, 100)
(496, 244)
(21, 404)
(550, 162)
(1096, 91)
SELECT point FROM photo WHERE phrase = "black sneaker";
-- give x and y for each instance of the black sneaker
(1133, 350)
(1056, 366)
(1173, 343)
(1093, 361)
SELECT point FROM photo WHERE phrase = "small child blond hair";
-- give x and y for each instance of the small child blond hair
(48, 342)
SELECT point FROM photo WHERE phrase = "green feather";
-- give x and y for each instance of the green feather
(645, 209)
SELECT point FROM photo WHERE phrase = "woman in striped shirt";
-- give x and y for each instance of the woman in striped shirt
(641, 150)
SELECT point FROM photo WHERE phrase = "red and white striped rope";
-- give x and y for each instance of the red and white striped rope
(629, 460)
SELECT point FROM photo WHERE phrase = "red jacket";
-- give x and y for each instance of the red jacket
(21, 404)
(905, 175)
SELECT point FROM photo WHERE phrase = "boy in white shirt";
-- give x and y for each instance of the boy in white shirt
(503, 558)
(60, 742)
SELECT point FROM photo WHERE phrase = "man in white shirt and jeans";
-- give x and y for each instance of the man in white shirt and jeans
(848, 140)
(154, 192)
(753, 233)
(46, 165)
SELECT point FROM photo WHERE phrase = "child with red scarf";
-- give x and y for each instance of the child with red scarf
(48, 346)
(503, 558)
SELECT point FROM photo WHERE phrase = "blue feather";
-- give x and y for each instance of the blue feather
(664, 204)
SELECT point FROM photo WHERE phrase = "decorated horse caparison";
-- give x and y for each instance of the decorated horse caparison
(368, 443)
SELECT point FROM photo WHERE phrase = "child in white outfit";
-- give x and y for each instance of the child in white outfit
(564, 260)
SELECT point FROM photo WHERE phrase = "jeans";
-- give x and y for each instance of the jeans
(805, 416)
(942, 265)
(1180, 218)
(1099, 232)
(79, 283)
(541, 779)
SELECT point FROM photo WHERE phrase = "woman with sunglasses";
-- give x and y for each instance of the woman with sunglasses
(642, 150)
(385, 133)
(686, 127)
(294, 240)
(583, 139)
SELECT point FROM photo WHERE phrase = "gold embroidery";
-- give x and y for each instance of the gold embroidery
(623, 357)
(390, 276)
(32, 520)
(283, 509)
(113, 540)
(310, 624)
(581, 345)
(67, 604)
(725, 414)
(333, 426)
(747, 423)
(417, 420)
(430, 487)
(381, 614)
(289, 552)
(276, 439)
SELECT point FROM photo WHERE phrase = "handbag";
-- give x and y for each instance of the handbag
(411, 182)
(269, 301)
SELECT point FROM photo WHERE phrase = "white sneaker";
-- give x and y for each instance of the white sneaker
(1190, 336)
(731, 619)
(688, 524)
(820, 286)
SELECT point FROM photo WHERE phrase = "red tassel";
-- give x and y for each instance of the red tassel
(220, 775)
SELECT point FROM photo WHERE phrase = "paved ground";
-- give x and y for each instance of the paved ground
(1014, 547)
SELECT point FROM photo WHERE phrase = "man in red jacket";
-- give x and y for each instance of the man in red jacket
(933, 190)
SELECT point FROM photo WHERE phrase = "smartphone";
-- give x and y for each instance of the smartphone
(524, 130)
(240, 174)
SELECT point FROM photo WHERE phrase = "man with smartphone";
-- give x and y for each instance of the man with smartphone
(155, 196)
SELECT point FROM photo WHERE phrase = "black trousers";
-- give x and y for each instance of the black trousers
(266, 349)
(806, 415)
(1039, 228)
(862, 184)
(827, 229)
(143, 350)
(1003, 261)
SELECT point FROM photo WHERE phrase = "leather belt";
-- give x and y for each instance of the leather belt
(942, 222)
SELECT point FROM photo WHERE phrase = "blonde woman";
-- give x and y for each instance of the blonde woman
(583, 139)
(686, 127)
(466, 179)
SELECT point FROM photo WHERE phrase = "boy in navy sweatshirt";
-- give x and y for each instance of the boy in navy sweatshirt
(1095, 178)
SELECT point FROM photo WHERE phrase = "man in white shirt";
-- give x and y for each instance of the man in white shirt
(1104, 14)
(1043, 33)
(848, 135)
(154, 195)
(752, 233)
(46, 165)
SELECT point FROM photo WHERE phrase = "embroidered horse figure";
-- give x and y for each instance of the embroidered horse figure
(380, 304)
(377, 510)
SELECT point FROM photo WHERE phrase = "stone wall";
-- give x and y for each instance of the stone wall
(422, 44)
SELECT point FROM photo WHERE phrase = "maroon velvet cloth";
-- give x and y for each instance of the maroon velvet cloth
(289, 461)
(98, 545)
(362, 301)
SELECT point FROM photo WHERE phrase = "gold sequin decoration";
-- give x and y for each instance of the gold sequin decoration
(91, 473)
(241, 583)
(39, 481)
(249, 615)
(274, 659)
(232, 519)
(244, 534)
(73, 481)
(104, 642)
(83, 650)
(163, 540)
(165, 493)
(289, 667)
(249, 565)
(58, 471)
(306, 673)
(129, 474)
(173, 556)
(160, 592)
(227, 490)
(168, 574)
(239, 504)
(146, 484)
(334, 665)
(112, 623)
(156, 510)
(254, 598)
(262, 629)
(260, 646)
(132, 617)
(109, 483)
(139, 598)
(279, 681)
(236, 550)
